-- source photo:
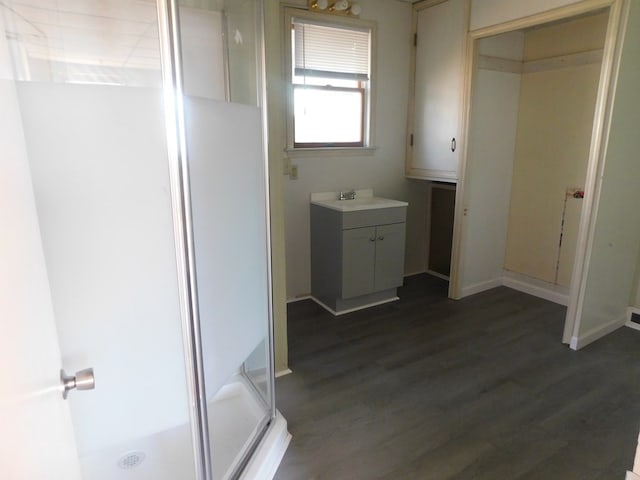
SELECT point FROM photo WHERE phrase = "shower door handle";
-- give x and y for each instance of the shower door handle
(82, 380)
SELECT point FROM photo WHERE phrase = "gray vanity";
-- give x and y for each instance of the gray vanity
(357, 249)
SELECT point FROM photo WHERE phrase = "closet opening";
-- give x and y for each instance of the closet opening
(441, 198)
(533, 113)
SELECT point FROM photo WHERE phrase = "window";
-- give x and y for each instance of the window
(329, 82)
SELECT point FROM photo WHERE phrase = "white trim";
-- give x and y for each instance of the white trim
(497, 64)
(282, 373)
(299, 298)
(580, 7)
(632, 476)
(267, 457)
(330, 152)
(577, 342)
(481, 287)
(564, 61)
(532, 286)
(436, 274)
(411, 274)
(508, 65)
(432, 177)
(354, 309)
(537, 288)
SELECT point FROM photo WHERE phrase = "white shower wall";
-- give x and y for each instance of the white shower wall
(100, 173)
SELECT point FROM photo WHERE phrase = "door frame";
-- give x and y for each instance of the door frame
(602, 117)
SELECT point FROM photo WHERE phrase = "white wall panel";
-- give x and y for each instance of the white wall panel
(37, 439)
(100, 174)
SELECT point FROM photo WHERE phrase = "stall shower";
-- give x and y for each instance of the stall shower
(141, 122)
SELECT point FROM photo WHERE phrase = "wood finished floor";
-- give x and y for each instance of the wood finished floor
(481, 388)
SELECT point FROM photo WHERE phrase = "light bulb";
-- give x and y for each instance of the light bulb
(355, 9)
(341, 5)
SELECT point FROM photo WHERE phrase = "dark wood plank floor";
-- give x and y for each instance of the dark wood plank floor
(481, 388)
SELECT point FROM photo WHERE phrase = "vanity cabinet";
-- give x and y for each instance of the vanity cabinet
(435, 108)
(373, 259)
(357, 257)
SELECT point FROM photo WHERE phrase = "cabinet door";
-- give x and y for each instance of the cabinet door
(439, 74)
(358, 257)
(389, 264)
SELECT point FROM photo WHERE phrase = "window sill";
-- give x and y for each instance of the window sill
(330, 152)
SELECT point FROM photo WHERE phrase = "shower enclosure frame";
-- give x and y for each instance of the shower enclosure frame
(173, 89)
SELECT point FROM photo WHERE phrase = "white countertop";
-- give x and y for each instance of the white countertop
(364, 201)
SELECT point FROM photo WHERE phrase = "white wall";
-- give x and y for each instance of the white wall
(614, 255)
(492, 12)
(492, 134)
(383, 170)
(100, 174)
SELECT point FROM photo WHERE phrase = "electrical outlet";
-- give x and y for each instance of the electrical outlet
(293, 172)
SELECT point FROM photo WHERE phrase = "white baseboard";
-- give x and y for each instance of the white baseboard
(354, 309)
(437, 275)
(282, 373)
(596, 333)
(411, 274)
(480, 287)
(298, 298)
(537, 288)
(267, 457)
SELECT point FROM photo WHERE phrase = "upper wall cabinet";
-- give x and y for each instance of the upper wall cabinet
(433, 146)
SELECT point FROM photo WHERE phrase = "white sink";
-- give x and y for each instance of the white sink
(364, 201)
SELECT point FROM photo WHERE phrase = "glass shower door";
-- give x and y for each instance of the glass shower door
(86, 79)
(223, 113)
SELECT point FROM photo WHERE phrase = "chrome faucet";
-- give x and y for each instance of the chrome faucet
(350, 195)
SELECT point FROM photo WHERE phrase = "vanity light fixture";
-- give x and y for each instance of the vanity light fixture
(340, 7)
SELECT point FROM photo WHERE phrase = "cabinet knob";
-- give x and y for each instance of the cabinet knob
(372, 239)
(380, 237)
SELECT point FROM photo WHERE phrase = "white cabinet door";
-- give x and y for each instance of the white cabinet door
(434, 147)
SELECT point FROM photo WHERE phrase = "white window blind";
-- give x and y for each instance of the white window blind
(328, 51)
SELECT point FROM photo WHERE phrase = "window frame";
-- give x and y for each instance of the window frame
(322, 149)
